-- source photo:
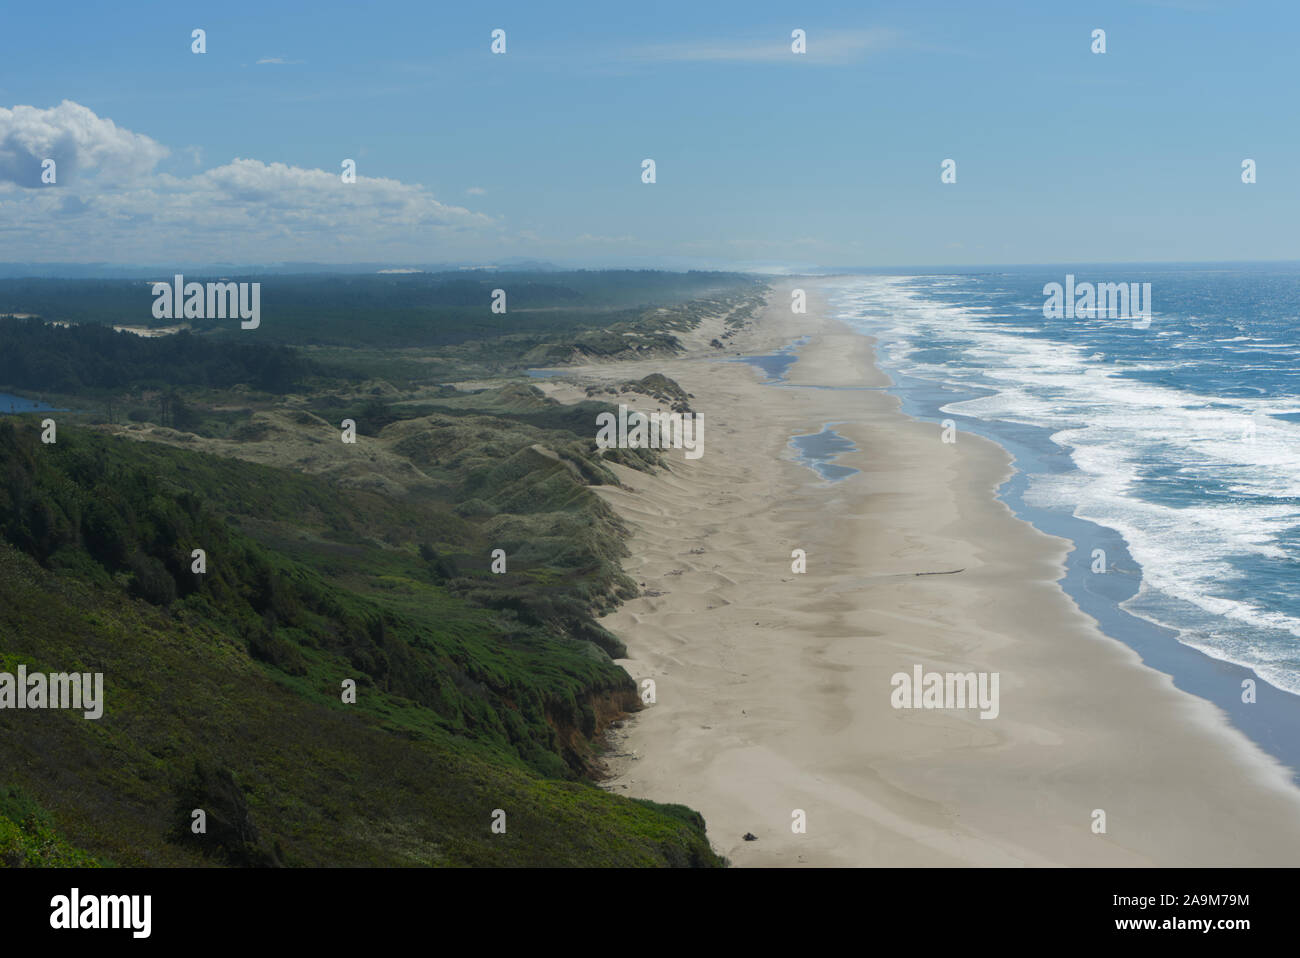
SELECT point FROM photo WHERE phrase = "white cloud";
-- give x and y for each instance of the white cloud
(242, 211)
(80, 143)
(278, 61)
(476, 191)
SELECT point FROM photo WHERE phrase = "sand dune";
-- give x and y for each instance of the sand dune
(773, 688)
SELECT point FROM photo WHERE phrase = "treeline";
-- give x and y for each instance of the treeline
(390, 310)
(35, 356)
(438, 310)
(130, 301)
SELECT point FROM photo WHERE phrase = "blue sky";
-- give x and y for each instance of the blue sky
(764, 158)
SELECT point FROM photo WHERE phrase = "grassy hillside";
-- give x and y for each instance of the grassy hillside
(330, 562)
(223, 690)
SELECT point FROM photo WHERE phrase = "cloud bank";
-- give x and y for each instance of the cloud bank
(76, 139)
(110, 203)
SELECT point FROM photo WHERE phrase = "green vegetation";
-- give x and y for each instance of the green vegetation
(656, 386)
(28, 840)
(223, 689)
(70, 360)
(397, 311)
(326, 562)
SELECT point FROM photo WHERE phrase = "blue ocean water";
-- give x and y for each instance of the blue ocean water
(1181, 436)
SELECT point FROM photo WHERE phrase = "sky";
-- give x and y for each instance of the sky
(764, 158)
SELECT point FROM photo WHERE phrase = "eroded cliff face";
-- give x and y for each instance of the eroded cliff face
(579, 734)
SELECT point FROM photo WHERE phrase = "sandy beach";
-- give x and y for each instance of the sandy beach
(773, 688)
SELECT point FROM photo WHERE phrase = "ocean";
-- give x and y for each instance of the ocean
(1168, 451)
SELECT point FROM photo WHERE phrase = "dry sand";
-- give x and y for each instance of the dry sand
(773, 688)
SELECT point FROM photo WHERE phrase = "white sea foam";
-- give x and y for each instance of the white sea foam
(1119, 431)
